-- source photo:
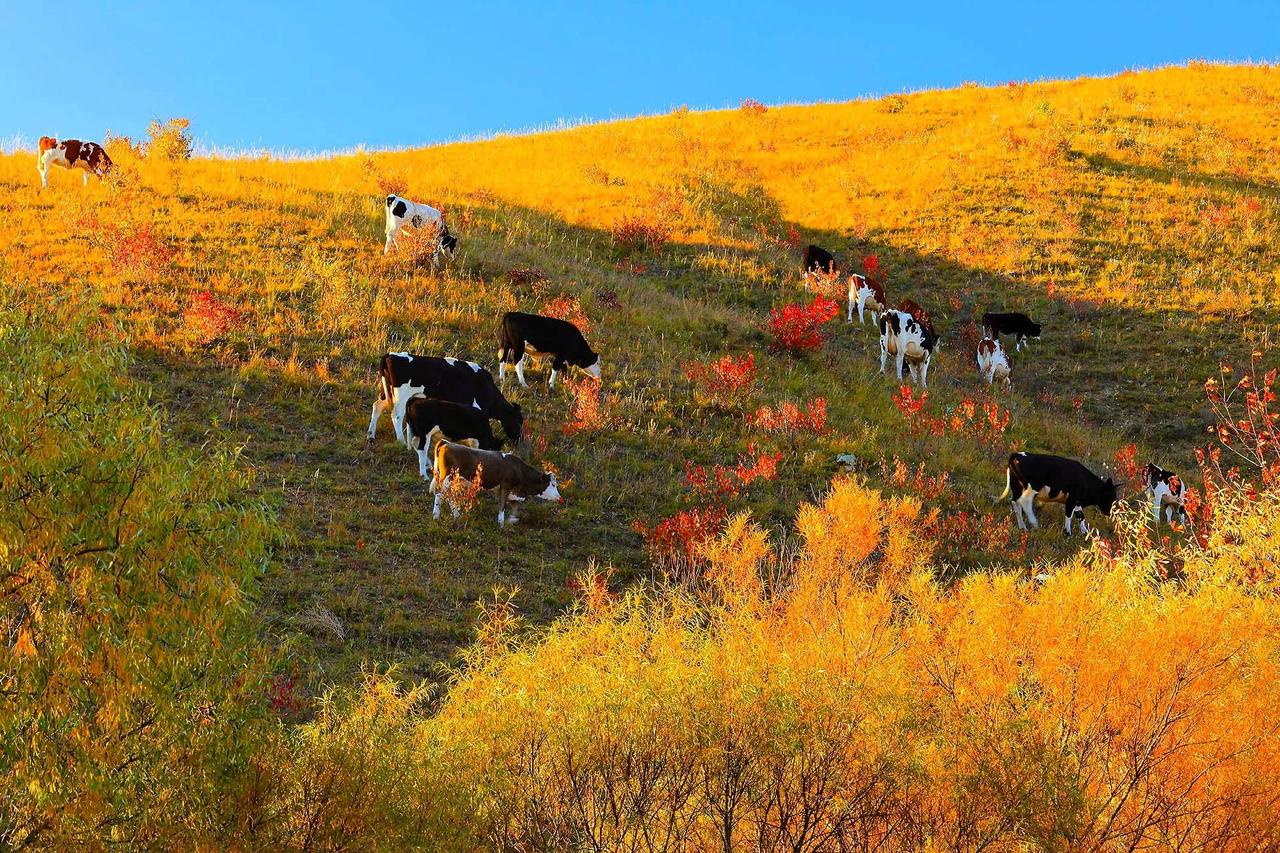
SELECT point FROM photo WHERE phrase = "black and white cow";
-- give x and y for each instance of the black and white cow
(426, 420)
(523, 336)
(910, 341)
(1167, 492)
(995, 324)
(402, 212)
(1033, 478)
(402, 376)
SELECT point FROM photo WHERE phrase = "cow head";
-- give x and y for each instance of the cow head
(448, 242)
(549, 491)
(1110, 496)
(513, 423)
(592, 367)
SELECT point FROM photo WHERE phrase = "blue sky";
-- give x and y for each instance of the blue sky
(325, 75)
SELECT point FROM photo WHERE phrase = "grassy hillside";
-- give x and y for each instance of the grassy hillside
(1135, 216)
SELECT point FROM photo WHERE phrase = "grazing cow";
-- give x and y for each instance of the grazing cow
(818, 260)
(425, 420)
(402, 376)
(1033, 478)
(402, 212)
(71, 154)
(920, 315)
(910, 341)
(995, 324)
(993, 363)
(867, 294)
(524, 336)
(514, 478)
(1167, 492)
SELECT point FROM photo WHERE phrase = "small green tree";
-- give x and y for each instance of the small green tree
(129, 674)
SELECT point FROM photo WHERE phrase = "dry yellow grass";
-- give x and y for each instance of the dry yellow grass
(1135, 215)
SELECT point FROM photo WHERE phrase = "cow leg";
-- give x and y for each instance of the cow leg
(1070, 512)
(911, 372)
(502, 506)
(1084, 527)
(1028, 501)
(901, 356)
(924, 371)
(502, 366)
(380, 405)
(884, 356)
(552, 381)
(42, 166)
(520, 370)
(435, 509)
(1017, 514)
(424, 464)
(1155, 509)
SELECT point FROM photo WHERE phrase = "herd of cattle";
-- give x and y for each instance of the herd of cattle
(907, 333)
(442, 407)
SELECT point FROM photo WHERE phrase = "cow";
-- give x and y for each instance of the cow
(993, 363)
(71, 154)
(909, 341)
(921, 316)
(1033, 478)
(402, 212)
(513, 478)
(425, 420)
(995, 324)
(403, 376)
(524, 336)
(1167, 492)
(866, 294)
(817, 261)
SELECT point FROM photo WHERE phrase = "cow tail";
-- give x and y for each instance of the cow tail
(1008, 484)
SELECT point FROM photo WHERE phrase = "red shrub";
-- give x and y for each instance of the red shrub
(1127, 467)
(526, 275)
(136, 251)
(210, 318)
(790, 418)
(725, 379)
(724, 482)
(677, 540)
(987, 421)
(797, 328)
(634, 234)
(283, 695)
(914, 482)
(751, 106)
(588, 407)
(568, 308)
(913, 408)
(1248, 424)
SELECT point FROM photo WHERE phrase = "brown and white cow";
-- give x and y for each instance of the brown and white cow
(993, 363)
(514, 478)
(867, 295)
(71, 154)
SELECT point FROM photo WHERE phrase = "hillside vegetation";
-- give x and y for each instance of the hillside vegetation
(712, 643)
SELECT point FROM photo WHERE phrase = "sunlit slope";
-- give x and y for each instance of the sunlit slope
(1135, 216)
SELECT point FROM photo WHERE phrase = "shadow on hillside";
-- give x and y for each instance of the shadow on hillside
(364, 545)
(1169, 174)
